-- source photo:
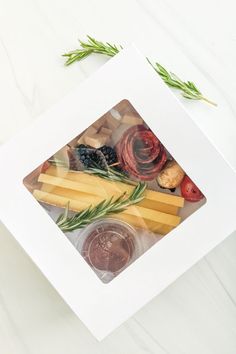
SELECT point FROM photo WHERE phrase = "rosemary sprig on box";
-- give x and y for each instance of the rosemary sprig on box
(103, 209)
(188, 88)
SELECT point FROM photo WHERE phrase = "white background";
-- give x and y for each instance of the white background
(197, 40)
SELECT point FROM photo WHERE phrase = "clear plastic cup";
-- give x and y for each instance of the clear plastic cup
(108, 246)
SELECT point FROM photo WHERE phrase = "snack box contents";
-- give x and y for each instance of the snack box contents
(114, 191)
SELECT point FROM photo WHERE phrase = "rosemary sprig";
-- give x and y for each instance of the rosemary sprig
(110, 174)
(188, 88)
(89, 47)
(103, 209)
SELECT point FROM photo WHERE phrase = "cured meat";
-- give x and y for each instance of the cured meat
(140, 153)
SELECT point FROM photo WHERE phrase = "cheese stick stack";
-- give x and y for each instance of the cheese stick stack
(157, 212)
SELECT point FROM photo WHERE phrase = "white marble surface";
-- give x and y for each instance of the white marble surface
(197, 40)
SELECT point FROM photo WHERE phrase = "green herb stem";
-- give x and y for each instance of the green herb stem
(188, 89)
(110, 174)
(105, 208)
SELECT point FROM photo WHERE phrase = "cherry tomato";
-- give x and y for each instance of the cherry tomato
(190, 191)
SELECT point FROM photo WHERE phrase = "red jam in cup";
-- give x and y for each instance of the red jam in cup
(109, 245)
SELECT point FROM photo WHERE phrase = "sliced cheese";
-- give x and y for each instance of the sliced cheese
(132, 119)
(96, 140)
(130, 215)
(153, 199)
(106, 190)
(111, 122)
(99, 122)
(105, 131)
(135, 210)
(144, 224)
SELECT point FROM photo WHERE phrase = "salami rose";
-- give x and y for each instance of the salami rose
(140, 153)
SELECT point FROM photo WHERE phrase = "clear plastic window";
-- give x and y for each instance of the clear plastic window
(114, 190)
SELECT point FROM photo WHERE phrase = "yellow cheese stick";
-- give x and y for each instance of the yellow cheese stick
(134, 217)
(144, 224)
(95, 185)
(82, 187)
(83, 177)
(135, 210)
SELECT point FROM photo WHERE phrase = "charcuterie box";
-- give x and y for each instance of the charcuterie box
(115, 192)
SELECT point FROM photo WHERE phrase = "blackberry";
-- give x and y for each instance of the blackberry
(109, 154)
(82, 146)
(90, 157)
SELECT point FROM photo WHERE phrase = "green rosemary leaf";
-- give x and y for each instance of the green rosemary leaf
(110, 174)
(76, 55)
(188, 89)
(63, 217)
(103, 209)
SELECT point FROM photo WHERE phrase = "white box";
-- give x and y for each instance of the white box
(103, 307)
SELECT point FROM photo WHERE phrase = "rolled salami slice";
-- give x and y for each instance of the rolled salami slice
(140, 153)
